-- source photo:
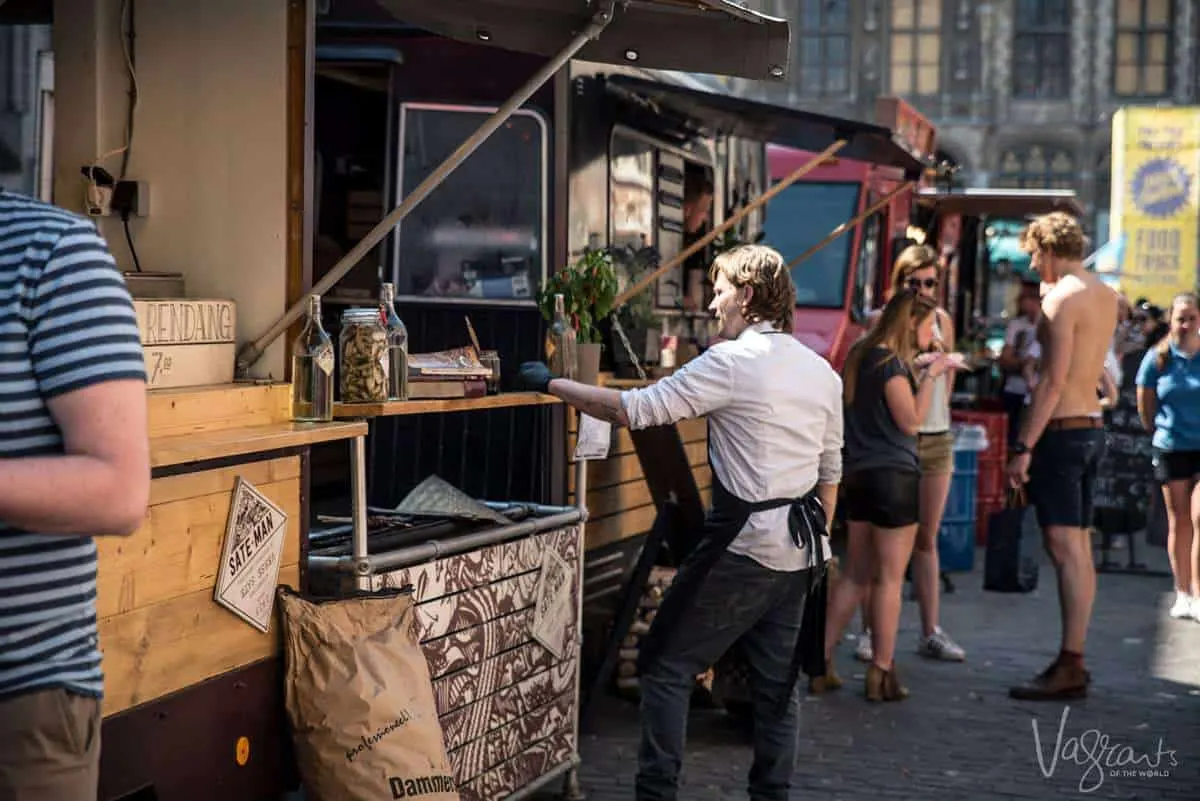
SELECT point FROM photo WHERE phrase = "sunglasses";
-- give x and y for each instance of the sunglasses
(922, 283)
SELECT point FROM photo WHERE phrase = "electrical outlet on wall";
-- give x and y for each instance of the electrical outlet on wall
(131, 199)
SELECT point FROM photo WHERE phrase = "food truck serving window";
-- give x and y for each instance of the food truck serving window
(802, 216)
(481, 234)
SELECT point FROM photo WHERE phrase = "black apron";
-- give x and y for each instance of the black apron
(724, 521)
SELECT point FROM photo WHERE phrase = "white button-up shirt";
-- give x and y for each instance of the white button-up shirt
(775, 428)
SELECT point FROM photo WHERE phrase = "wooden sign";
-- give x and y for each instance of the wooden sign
(186, 322)
(186, 342)
(249, 570)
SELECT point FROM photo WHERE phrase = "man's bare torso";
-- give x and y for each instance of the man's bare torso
(1083, 305)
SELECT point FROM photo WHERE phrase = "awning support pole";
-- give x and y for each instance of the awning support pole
(850, 225)
(741, 213)
(253, 351)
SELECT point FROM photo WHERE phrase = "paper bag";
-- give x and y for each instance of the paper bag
(360, 700)
(1014, 541)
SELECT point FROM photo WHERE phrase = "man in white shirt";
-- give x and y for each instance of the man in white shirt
(775, 438)
(1020, 338)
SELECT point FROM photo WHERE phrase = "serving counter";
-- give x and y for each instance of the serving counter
(193, 705)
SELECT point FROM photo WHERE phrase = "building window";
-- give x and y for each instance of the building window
(1037, 167)
(1042, 49)
(916, 47)
(823, 39)
(1142, 62)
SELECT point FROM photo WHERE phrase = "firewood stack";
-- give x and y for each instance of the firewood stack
(627, 658)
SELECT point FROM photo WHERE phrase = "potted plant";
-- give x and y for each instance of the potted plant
(588, 287)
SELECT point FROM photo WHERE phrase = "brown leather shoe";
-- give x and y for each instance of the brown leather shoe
(884, 685)
(827, 683)
(1058, 682)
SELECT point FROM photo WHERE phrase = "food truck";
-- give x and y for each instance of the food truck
(216, 107)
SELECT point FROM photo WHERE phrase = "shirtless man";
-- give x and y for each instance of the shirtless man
(1061, 441)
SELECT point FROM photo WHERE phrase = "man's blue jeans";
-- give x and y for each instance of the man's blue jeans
(739, 600)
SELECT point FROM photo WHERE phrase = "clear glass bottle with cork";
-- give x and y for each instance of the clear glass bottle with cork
(312, 369)
(561, 352)
(397, 336)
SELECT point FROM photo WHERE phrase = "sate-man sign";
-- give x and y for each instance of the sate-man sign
(250, 558)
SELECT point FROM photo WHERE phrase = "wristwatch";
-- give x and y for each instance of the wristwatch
(1019, 448)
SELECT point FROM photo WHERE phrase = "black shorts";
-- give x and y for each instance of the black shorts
(885, 497)
(1062, 476)
(1176, 465)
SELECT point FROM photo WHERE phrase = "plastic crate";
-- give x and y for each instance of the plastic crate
(992, 481)
(956, 546)
(960, 505)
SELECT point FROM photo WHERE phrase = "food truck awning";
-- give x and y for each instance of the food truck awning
(765, 122)
(712, 36)
(1014, 203)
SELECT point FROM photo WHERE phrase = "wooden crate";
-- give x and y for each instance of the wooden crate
(507, 705)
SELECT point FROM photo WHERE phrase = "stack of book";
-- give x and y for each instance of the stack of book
(456, 373)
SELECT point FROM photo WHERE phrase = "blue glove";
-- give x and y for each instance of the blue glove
(534, 377)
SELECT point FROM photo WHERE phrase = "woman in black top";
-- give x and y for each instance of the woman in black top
(886, 397)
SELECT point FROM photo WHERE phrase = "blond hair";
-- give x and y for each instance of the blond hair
(1163, 349)
(1056, 233)
(761, 268)
(895, 332)
(911, 259)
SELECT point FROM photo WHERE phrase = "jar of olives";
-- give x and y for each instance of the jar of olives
(363, 346)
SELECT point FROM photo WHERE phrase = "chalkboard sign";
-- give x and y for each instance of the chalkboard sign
(1126, 483)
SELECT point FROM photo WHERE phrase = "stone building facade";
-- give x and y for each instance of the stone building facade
(1022, 91)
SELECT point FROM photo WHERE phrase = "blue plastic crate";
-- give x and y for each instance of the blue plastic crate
(956, 546)
(964, 487)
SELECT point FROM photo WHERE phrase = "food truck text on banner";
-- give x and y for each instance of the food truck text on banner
(1156, 199)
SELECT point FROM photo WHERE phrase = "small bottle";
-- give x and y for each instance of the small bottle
(397, 344)
(312, 369)
(562, 350)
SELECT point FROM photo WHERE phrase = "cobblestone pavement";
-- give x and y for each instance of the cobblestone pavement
(959, 736)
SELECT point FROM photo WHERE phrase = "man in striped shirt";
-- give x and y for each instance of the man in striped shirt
(74, 465)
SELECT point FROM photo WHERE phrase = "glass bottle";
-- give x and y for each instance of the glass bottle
(562, 350)
(312, 369)
(397, 343)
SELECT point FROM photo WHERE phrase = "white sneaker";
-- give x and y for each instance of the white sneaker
(863, 651)
(939, 646)
(1185, 607)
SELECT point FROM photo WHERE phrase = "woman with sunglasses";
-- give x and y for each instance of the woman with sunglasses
(917, 270)
(887, 388)
(1168, 399)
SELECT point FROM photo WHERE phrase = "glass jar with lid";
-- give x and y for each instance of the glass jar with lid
(363, 348)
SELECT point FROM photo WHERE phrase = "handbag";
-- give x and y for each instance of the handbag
(1013, 544)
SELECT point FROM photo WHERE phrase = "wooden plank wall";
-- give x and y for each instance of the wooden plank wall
(619, 502)
(160, 629)
(507, 705)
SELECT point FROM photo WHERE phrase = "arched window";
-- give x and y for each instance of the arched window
(1036, 167)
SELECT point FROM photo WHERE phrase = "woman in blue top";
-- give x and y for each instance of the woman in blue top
(1168, 398)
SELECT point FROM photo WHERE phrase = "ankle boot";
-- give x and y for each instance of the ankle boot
(884, 685)
(827, 683)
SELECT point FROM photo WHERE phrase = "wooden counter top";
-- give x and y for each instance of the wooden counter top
(203, 445)
(505, 400)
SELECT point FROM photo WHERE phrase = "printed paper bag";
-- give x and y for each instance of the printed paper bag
(360, 700)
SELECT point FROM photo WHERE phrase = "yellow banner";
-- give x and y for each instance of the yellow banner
(1156, 200)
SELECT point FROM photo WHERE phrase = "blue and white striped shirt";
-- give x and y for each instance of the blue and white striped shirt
(66, 323)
